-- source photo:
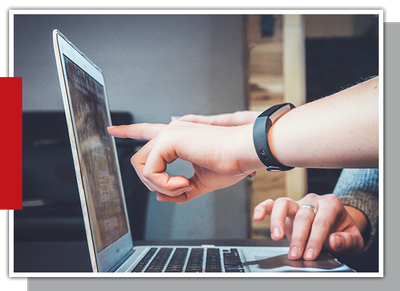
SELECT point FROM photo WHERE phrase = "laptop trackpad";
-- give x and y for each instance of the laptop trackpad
(276, 260)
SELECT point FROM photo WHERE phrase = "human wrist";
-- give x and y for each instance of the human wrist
(262, 137)
(245, 152)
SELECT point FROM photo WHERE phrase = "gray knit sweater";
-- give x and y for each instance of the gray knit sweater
(359, 188)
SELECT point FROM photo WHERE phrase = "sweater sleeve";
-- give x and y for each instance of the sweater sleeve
(359, 188)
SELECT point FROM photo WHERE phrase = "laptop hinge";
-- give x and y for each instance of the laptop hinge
(120, 262)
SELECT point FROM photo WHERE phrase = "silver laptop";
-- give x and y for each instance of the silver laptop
(102, 197)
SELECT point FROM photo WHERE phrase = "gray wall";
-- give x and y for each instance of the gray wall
(156, 66)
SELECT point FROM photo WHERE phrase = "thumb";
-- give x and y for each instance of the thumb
(346, 242)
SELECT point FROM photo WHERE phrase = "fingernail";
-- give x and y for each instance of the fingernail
(294, 252)
(309, 254)
(276, 232)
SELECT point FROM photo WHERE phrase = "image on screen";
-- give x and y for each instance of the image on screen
(97, 157)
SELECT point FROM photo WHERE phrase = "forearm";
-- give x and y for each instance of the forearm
(339, 131)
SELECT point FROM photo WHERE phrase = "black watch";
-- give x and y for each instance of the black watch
(260, 135)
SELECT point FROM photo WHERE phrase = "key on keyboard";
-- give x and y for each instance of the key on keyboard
(178, 260)
(213, 263)
(143, 262)
(158, 263)
(232, 261)
(195, 262)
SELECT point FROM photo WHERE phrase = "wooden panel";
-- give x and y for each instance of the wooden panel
(294, 79)
(272, 61)
(265, 83)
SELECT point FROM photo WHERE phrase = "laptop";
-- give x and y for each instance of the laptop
(108, 233)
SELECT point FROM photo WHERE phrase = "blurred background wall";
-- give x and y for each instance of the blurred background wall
(155, 66)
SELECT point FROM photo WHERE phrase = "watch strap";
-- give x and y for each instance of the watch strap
(260, 135)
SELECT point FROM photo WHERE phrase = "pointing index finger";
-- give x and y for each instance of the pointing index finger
(146, 131)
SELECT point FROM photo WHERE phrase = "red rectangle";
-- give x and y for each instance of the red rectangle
(11, 143)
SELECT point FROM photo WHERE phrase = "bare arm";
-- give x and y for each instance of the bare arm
(339, 131)
(335, 132)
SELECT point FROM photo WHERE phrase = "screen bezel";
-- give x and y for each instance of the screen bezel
(104, 260)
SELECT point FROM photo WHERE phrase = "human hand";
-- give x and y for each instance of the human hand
(229, 119)
(220, 156)
(331, 227)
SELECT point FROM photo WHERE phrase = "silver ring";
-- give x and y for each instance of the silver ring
(310, 206)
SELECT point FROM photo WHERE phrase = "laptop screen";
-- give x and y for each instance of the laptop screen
(97, 157)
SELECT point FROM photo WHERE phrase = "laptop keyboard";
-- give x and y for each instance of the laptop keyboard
(195, 262)
(181, 260)
(177, 260)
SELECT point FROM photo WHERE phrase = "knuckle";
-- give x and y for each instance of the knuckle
(284, 201)
(322, 223)
(334, 202)
(146, 173)
(133, 160)
(312, 195)
(333, 199)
